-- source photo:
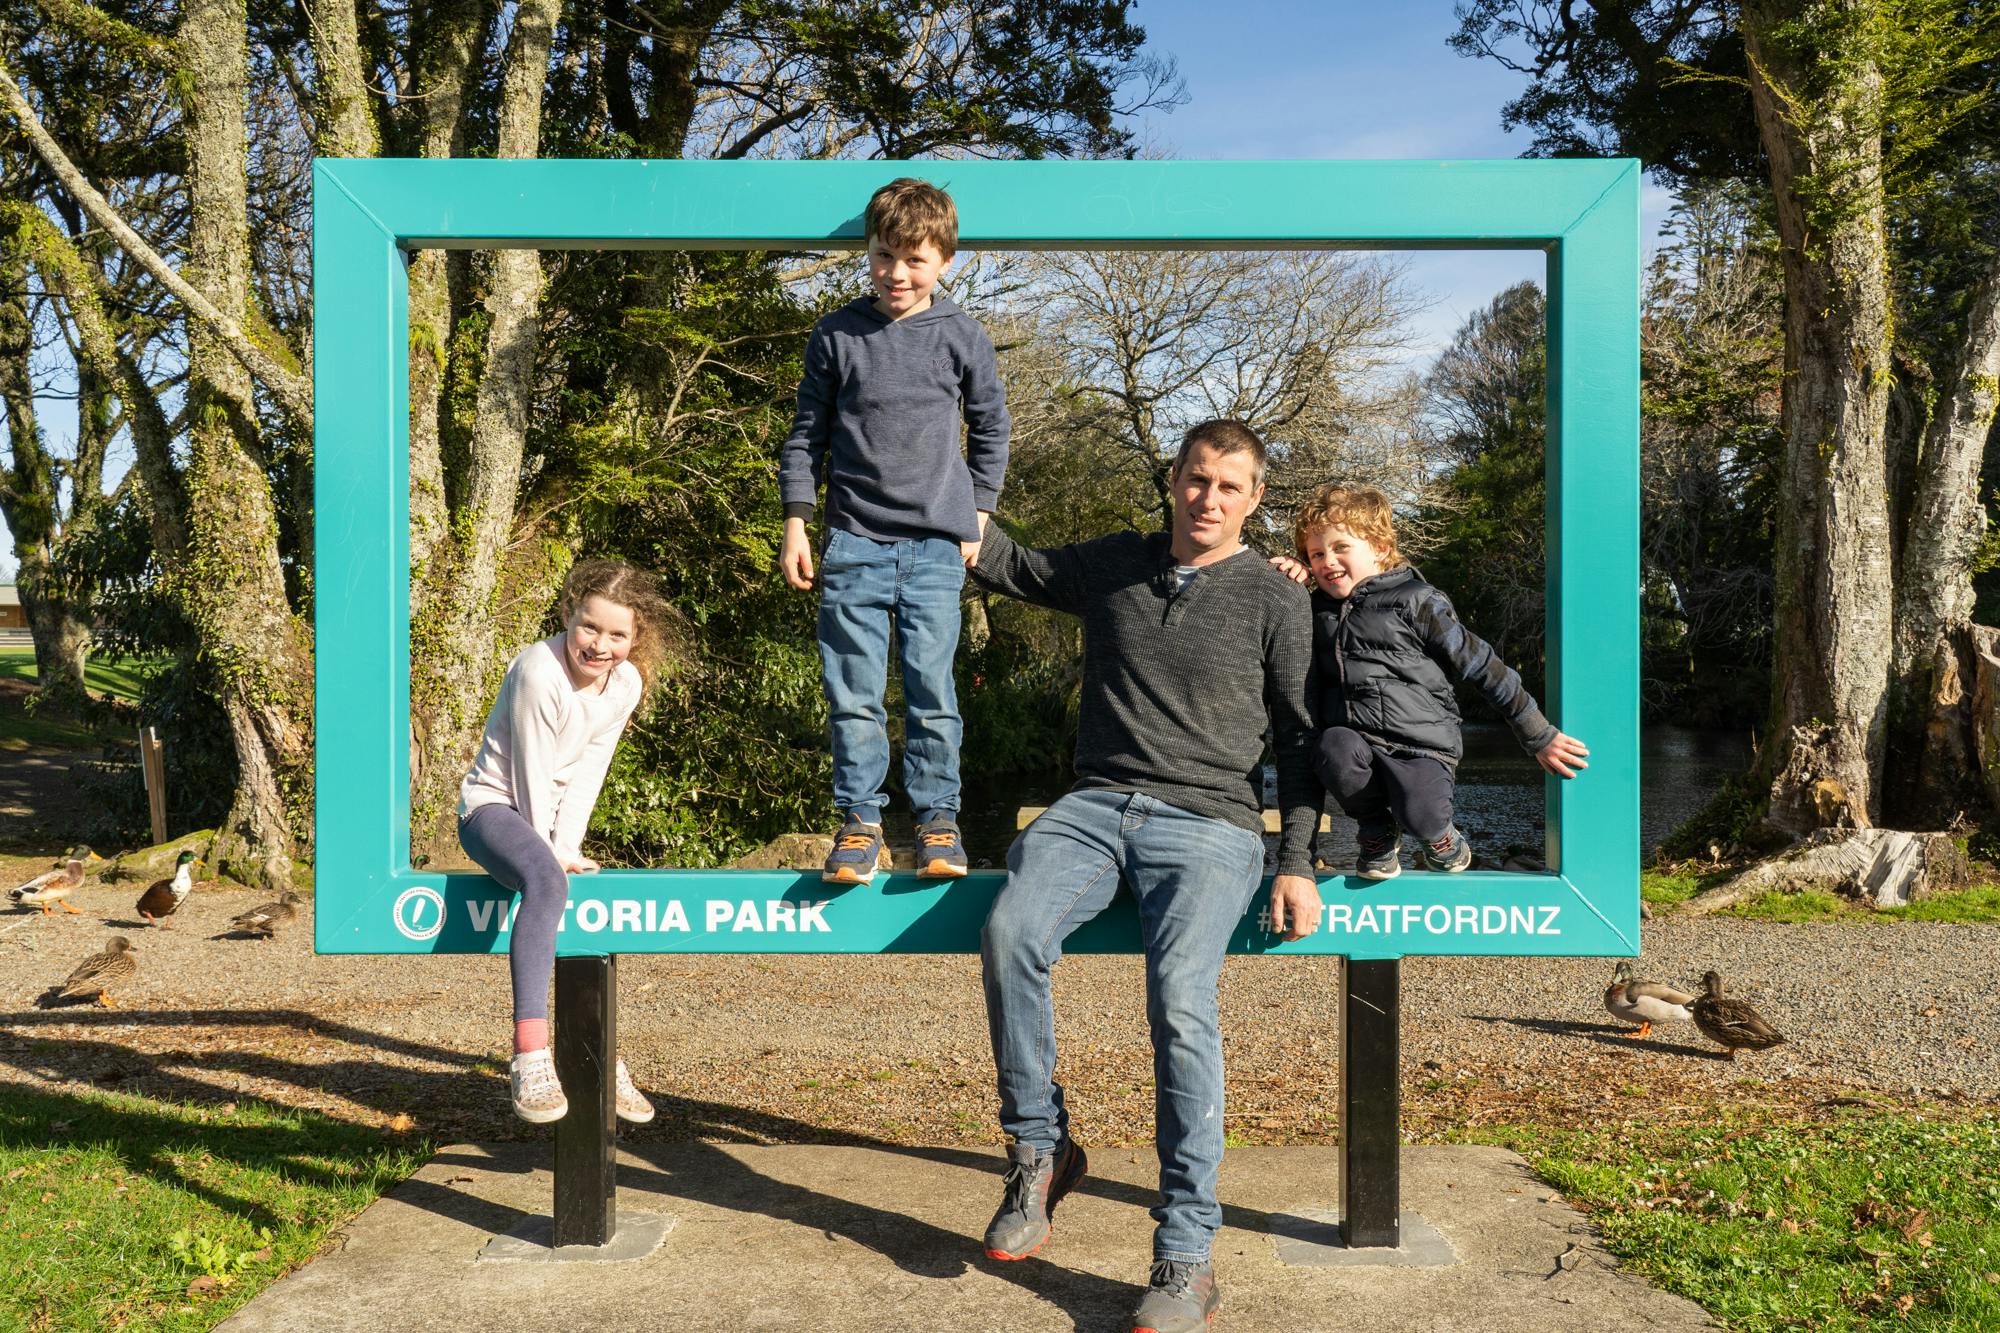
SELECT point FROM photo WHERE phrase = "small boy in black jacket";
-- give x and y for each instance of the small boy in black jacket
(1385, 647)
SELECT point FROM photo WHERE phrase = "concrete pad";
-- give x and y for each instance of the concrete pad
(533, 1242)
(1311, 1236)
(885, 1238)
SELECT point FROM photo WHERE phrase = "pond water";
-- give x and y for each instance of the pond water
(1499, 792)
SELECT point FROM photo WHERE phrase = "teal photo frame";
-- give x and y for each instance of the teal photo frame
(368, 214)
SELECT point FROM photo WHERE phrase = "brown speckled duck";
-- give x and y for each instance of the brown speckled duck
(163, 897)
(266, 919)
(101, 970)
(1731, 1023)
(1644, 1002)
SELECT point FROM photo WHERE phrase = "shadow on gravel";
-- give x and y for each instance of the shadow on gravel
(1613, 1035)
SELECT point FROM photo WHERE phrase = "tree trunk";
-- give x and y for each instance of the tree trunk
(28, 495)
(1830, 671)
(1933, 765)
(344, 120)
(229, 581)
(460, 626)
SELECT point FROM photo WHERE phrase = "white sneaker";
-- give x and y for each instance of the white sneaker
(632, 1103)
(538, 1093)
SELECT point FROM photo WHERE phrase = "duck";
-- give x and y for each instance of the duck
(265, 920)
(49, 890)
(99, 971)
(163, 897)
(1731, 1023)
(1644, 1002)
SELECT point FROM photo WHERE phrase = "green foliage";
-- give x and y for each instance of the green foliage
(1868, 1220)
(1020, 710)
(1487, 393)
(214, 1256)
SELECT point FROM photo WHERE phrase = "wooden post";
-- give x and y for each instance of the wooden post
(153, 763)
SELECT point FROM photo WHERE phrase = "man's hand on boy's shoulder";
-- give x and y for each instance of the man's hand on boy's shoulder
(1562, 756)
(795, 559)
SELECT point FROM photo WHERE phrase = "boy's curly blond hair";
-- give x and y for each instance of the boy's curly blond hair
(1362, 510)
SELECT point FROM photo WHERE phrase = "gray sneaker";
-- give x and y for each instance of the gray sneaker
(1379, 855)
(1448, 854)
(1035, 1185)
(1181, 1298)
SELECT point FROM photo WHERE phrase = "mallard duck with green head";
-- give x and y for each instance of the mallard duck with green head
(48, 891)
(264, 920)
(1731, 1023)
(163, 897)
(1644, 1002)
(97, 973)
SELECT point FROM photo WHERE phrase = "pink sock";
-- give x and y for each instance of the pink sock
(530, 1034)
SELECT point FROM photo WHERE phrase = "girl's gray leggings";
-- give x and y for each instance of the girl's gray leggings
(507, 847)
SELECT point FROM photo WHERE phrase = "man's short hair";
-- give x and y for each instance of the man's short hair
(908, 211)
(1362, 510)
(1224, 435)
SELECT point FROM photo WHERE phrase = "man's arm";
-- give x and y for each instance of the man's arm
(1050, 576)
(1473, 660)
(1290, 683)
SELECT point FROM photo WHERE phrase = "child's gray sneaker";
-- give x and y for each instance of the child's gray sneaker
(1450, 853)
(1181, 1298)
(857, 850)
(1379, 855)
(1034, 1185)
(538, 1093)
(940, 849)
(632, 1103)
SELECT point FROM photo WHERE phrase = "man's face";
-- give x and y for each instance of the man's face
(903, 274)
(1213, 494)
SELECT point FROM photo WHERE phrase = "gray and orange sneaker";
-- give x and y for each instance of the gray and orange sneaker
(1449, 854)
(940, 849)
(1035, 1184)
(857, 850)
(1180, 1298)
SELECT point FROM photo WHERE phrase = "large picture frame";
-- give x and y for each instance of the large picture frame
(369, 214)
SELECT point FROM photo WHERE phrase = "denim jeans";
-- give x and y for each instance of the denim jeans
(1193, 878)
(865, 587)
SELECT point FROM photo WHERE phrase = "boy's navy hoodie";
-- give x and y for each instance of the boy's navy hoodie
(878, 424)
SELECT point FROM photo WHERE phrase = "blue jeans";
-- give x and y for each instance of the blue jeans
(1193, 878)
(866, 586)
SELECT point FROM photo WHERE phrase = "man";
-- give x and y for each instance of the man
(1192, 648)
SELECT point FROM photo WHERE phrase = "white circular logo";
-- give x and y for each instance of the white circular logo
(419, 913)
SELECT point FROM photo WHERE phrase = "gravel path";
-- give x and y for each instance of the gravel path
(806, 1048)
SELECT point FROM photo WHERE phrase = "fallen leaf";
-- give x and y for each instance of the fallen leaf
(17, 1173)
(401, 1123)
(201, 1284)
(260, 1256)
(1904, 1302)
(1926, 1240)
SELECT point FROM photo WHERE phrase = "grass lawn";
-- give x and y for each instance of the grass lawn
(120, 1211)
(1981, 902)
(1862, 1220)
(120, 677)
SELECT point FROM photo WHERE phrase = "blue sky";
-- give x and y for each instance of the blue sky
(1294, 79)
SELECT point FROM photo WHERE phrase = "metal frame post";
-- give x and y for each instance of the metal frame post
(586, 1041)
(1371, 1099)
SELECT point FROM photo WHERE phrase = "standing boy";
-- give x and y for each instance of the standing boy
(887, 380)
(1386, 646)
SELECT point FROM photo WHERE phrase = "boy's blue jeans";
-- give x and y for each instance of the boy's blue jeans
(866, 586)
(1193, 878)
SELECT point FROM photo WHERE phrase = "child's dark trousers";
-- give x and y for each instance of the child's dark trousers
(1375, 789)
